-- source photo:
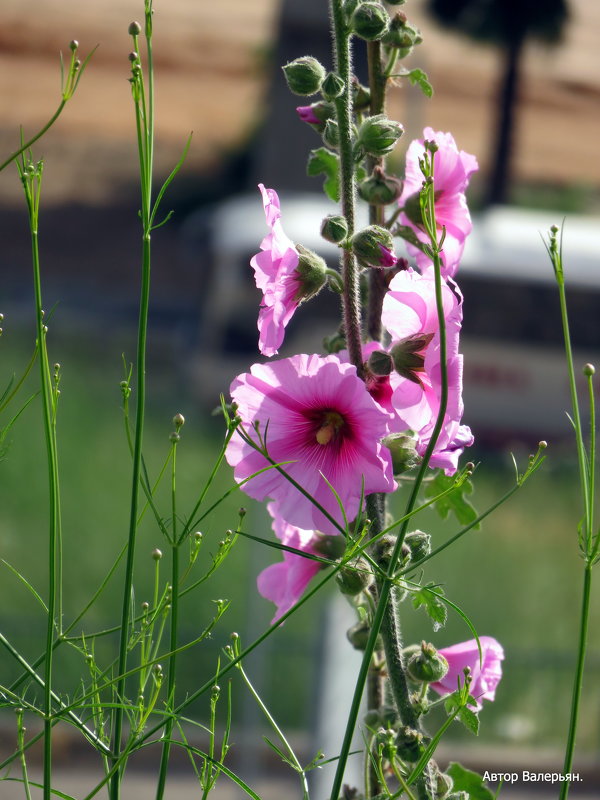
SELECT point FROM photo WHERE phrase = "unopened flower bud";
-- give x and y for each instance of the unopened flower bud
(410, 744)
(589, 370)
(380, 189)
(174, 437)
(402, 35)
(380, 363)
(402, 447)
(409, 355)
(355, 577)
(419, 543)
(73, 45)
(317, 114)
(458, 796)
(133, 56)
(378, 135)
(157, 554)
(310, 273)
(178, 421)
(443, 785)
(358, 636)
(361, 95)
(304, 75)
(134, 28)
(332, 86)
(384, 549)
(374, 246)
(334, 343)
(370, 21)
(331, 134)
(428, 666)
(395, 2)
(334, 228)
(331, 546)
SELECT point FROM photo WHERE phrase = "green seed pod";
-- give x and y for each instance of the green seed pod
(330, 546)
(370, 21)
(304, 75)
(428, 666)
(334, 228)
(378, 135)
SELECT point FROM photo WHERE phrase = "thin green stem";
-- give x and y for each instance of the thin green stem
(172, 665)
(578, 682)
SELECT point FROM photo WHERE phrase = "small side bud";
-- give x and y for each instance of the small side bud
(304, 75)
(358, 636)
(332, 86)
(334, 228)
(384, 548)
(331, 134)
(134, 28)
(374, 247)
(402, 35)
(355, 577)
(378, 135)
(428, 666)
(410, 744)
(311, 273)
(370, 21)
(334, 343)
(443, 785)
(361, 94)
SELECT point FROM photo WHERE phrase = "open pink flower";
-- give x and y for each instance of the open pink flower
(485, 673)
(275, 274)
(452, 171)
(317, 414)
(284, 583)
(410, 316)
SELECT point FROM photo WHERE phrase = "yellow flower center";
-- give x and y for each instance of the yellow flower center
(330, 427)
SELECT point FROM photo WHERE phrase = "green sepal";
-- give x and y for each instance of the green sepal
(455, 500)
(418, 77)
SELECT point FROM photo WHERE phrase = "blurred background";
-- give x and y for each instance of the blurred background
(525, 98)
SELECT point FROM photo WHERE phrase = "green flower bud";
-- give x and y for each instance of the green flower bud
(384, 548)
(374, 246)
(395, 2)
(361, 95)
(134, 28)
(304, 75)
(402, 34)
(380, 189)
(419, 543)
(330, 546)
(383, 717)
(410, 744)
(358, 636)
(380, 363)
(370, 21)
(355, 577)
(331, 134)
(317, 114)
(334, 228)
(311, 273)
(403, 451)
(378, 135)
(458, 796)
(428, 666)
(332, 87)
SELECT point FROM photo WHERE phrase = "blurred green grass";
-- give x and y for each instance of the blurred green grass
(518, 579)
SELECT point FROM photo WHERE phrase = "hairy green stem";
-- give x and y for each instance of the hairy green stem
(351, 295)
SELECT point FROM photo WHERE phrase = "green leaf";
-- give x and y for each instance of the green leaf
(469, 719)
(323, 161)
(467, 781)
(419, 78)
(454, 500)
(432, 604)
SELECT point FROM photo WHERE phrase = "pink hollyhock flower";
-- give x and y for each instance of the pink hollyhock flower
(317, 414)
(284, 583)
(410, 316)
(452, 171)
(485, 673)
(275, 274)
